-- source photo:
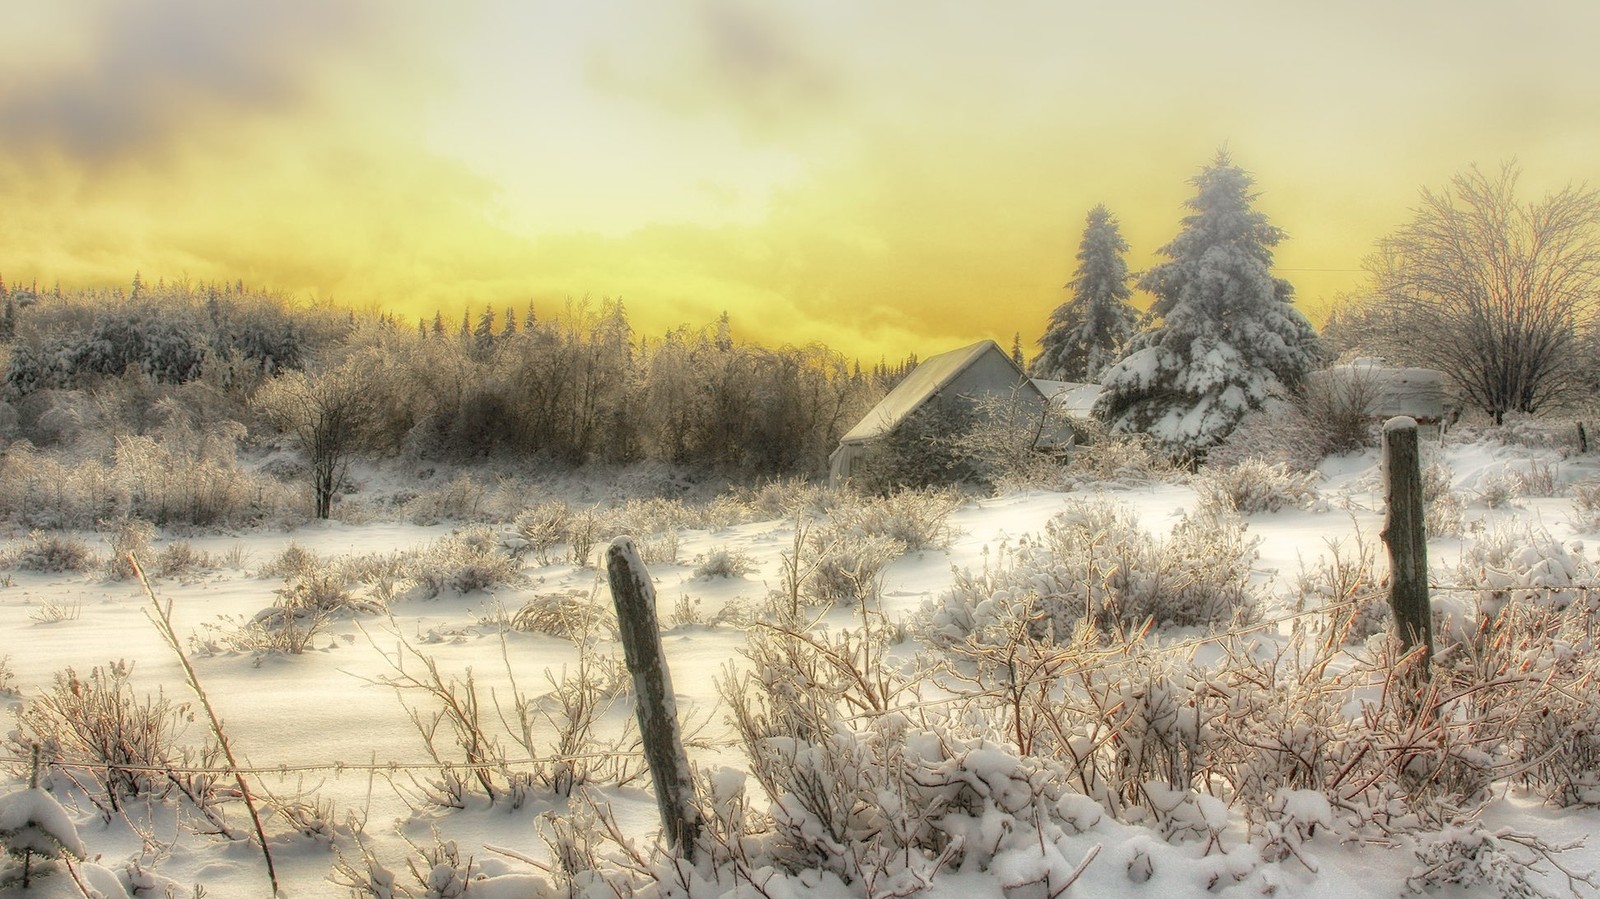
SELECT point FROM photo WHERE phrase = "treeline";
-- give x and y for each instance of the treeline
(571, 389)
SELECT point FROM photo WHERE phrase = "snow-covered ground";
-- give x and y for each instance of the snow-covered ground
(343, 738)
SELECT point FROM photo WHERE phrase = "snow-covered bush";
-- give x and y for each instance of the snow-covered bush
(1442, 512)
(293, 561)
(53, 490)
(570, 614)
(1498, 490)
(1095, 561)
(51, 551)
(1586, 503)
(1254, 485)
(1538, 479)
(179, 558)
(1346, 580)
(723, 562)
(846, 565)
(459, 500)
(1473, 858)
(6, 677)
(544, 526)
(654, 525)
(916, 519)
(434, 871)
(872, 800)
(1125, 458)
(192, 477)
(1510, 563)
(786, 498)
(127, 741)
(34, 825)
(468, 560)
(129, 537)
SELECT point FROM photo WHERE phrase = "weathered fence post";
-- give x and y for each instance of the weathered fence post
(635, 597)
(1407, 538)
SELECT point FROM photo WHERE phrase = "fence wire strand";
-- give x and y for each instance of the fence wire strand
(1086, 662)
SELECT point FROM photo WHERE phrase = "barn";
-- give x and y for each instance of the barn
(959, 376)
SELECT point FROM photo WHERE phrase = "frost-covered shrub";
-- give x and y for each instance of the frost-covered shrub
(1586, 503)
(1538, 479)
(654, 525)
(469, 560)
(34, 825)
(1510, 563)
(1473, 858)
(1126, 458)
(875, 799)
(1442, 512)
(459, 500)
(786, 498)
(569, 614)
(1346, 580)
(1498, 490)
(51, 490)
(1444, 517)
(189, 477)
(723, 562)
(846, 565)
(99, 719)
(180, 558)
(129, 537)
(433, 872)
(916, 519)
(1095, 561)
(1254, 485)
(544, 526)
(294, 560)
(1329, 414)
(53, 552)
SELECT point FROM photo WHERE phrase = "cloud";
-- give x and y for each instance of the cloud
(153, 72)
(754, 63)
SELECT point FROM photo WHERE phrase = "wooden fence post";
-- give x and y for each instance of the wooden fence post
(1407, 538)
(635, 597)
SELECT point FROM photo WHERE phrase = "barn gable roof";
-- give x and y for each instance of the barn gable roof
(930, 377)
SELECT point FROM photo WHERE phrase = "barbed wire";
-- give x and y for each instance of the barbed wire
(1086, 661)
(337, 767)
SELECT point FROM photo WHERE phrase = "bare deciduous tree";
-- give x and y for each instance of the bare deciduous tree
(331, 416)
(1494, 291)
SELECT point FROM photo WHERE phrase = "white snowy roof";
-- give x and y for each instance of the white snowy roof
(925, 381)
(1076, 398)
(1415, 392)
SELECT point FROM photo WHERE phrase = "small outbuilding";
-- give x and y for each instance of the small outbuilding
(946, 381)
(1386, 392)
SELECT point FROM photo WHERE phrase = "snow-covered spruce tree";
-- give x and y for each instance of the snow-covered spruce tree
(1087, 331)
(1227, 336)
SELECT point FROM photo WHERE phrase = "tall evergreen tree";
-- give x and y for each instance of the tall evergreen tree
(1227, 336)
(484, 335)
(1087, 331)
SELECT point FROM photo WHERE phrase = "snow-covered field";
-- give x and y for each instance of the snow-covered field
(327, 731)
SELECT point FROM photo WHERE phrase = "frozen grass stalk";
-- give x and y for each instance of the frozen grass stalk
(163, 622)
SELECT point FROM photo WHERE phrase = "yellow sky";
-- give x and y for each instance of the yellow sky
(886, 176)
